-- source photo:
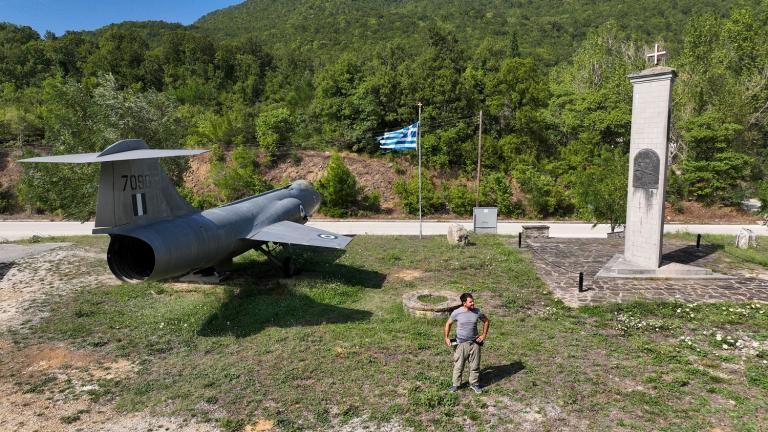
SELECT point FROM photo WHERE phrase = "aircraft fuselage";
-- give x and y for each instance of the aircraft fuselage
(175, 246)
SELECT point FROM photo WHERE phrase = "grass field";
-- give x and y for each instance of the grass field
(334, 349)
(727, 244)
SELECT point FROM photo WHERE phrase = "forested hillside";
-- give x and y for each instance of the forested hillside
(257, 81)
(547, 29)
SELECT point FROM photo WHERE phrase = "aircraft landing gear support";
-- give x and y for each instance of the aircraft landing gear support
(287, 265)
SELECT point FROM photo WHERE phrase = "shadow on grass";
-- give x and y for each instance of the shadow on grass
(690, 254)
(492, 374)
(245, 314)
(312, 263)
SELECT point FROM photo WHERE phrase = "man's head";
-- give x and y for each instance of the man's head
(467, 300)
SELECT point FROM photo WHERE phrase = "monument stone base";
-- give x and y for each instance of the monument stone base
(618, 267)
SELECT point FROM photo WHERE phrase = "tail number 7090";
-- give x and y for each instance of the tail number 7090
(135, 182)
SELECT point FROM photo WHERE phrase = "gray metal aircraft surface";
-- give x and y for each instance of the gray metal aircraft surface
(155, 234)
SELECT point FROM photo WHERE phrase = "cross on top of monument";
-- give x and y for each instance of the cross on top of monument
(656, 55)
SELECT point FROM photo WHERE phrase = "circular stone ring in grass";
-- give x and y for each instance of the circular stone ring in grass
(431, 304)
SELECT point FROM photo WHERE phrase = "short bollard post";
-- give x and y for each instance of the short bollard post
(520, 240)
(581, 281)
(698, 241)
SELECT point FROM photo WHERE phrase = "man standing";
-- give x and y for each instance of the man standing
(468, 342)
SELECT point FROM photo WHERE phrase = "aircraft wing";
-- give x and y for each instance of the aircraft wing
(293, 233)
(126, 155)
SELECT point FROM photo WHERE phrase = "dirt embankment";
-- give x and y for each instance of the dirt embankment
(373, 174)
(377, 174)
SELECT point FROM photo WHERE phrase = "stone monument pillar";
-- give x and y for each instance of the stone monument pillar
(648, 149)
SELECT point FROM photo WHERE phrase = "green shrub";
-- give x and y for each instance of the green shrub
(717, 180)
(495, 191)
(713, 171)
(201, 201)
(762, 194)
(371, 202)
(339, 189)
(239, 178)
(601, 190)
(273, 130)
(8, 200)
(676, 190)
(217, 153)
(408, 192)
(545, 196)
(460, 198)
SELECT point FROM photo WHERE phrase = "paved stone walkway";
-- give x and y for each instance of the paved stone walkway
(559, 261)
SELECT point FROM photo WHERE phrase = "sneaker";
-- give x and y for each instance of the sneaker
(476, 388)
(453, 389)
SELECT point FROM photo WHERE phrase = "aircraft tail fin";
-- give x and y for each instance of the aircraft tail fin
(136, 191)
(133, 188)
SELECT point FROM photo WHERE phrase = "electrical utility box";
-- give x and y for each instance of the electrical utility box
(485, 219)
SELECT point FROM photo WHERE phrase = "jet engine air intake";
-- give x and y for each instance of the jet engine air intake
(130, 259)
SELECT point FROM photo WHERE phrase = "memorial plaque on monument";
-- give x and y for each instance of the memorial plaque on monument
(645, 172)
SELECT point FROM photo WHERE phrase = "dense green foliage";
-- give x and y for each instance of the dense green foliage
(339, 189)
(342, 195)
(602, 191)
(408, 192)
(548, 29)
(272, 77)
(81, 118)
(238, 177)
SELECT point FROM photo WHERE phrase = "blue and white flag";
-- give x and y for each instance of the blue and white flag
(403, 139)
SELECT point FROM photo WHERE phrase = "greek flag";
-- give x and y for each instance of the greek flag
(403, 139)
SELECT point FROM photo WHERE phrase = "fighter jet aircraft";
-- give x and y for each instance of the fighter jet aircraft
(156, 234)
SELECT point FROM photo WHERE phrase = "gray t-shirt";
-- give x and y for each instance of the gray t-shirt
(466, 327)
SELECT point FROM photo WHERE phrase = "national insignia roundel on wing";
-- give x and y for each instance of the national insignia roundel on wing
(327, 236)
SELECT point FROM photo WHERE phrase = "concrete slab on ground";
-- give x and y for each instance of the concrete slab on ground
(619, 267)
(13, 252)
(559, 261)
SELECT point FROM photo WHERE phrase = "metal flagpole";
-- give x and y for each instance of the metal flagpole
(479, 147)
(418, 146)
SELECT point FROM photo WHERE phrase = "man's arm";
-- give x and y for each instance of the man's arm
(486, 326)
(447, 332)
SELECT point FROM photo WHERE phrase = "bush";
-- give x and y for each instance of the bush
(495, 191)
(201, 201)
(273, 130)
(601, 190)
(68, 190)
(460, 198)
(676, 190)
(408, 192)
(239, 178)
(714, 173)
(217, 154)
(81, 118)
(371, 202)
(8, 200)
(545, 196)
(339, 189)
(717, 180)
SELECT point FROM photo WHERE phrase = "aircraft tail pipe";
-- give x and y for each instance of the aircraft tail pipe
(173, 250)
(130, 259)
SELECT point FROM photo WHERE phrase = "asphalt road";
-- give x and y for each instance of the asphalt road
(17, 230)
